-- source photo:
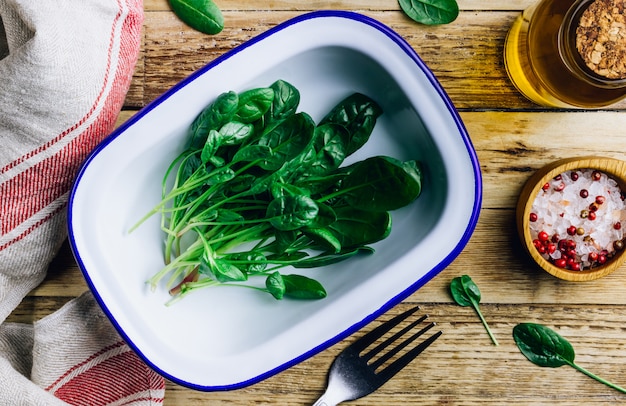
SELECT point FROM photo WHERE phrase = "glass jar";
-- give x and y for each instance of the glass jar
(544, 63)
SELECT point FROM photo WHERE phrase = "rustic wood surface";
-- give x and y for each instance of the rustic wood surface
(513, 138)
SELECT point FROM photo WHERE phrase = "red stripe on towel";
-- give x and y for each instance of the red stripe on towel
(121, 377)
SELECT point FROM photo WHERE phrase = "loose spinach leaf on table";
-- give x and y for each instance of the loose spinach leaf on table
(430, 12)
(202, 15)
(544, 347)
(466, 293)
(261, 186)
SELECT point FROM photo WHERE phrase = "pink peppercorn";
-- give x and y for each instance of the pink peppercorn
(596, 175)
(561, 263)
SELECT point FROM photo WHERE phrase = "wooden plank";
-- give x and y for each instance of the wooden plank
(465, 56)
(172, 52)
(513, 145)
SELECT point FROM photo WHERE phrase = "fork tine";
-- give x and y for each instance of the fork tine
(403, 361)
(379, 331)
(393, 351)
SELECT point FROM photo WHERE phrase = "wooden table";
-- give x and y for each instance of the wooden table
(513, 138)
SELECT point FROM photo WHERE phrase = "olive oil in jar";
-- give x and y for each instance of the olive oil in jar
(543, 63)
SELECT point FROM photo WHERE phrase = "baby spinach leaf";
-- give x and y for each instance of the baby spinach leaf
(253, 104)
(234, 132)
(210, 146)
(294, 286)
(248, 262)
(545, 347)
(287, 140)
(275, 284)
(358, 114)
(324, 237)
(355, 228)
(202, 15)
(251, 153)
(221, 270)
(380, 184)
(286, 101)
(430, 12)
(329, 150)
(301, 287)
(212, 117)
(326, 216)
(466, 293)
(292, 212)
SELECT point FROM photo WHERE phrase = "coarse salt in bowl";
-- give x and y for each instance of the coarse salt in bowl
(571, 216)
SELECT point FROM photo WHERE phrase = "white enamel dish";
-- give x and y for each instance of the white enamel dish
(223, 337)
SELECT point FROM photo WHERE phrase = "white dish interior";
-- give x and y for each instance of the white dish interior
(224, 337)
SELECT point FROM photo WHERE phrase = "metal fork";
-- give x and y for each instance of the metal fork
(352, 376)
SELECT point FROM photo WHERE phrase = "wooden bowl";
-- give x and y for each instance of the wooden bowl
(613, 168)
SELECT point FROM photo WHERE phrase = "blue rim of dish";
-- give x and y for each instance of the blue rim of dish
(410, 52)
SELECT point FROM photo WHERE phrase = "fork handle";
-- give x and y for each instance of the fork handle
(327, 399)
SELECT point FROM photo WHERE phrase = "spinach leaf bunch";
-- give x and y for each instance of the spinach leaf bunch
(261, 187)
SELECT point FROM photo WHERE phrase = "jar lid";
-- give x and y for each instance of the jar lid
(601, 38)
(592, 42)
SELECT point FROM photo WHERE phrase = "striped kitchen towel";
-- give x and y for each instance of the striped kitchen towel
(65, 69)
